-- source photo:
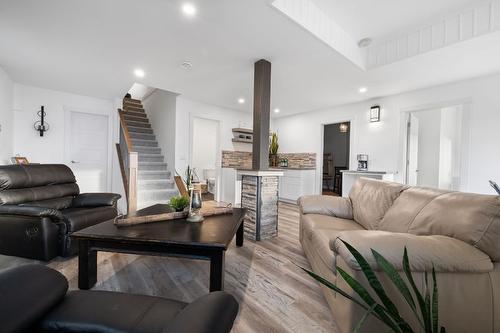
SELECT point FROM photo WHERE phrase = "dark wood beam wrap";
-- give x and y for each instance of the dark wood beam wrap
(261, 114)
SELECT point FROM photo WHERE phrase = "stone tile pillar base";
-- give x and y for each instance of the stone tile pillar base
(259, 194)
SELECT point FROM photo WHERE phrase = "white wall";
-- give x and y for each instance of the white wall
(51, 147)
(384, 141)
(228, 119)
(6, 117)
(160, 107)
(205, 140)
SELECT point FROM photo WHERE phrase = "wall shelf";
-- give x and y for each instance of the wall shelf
(242, 135)
(242, 140)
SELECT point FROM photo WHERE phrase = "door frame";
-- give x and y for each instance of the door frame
(467, 107)
(68, 110)
(319, 158)
(218, 151)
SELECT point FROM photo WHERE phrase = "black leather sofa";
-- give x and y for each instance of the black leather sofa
(41, 205)
(34, 299)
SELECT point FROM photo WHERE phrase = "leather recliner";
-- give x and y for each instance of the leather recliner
(35, 300)
(41, 205)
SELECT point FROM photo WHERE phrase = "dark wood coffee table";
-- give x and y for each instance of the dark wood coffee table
(207, 240)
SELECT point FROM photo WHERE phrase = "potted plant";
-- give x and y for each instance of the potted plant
(178, 203)
(423, 305)
(273, 150)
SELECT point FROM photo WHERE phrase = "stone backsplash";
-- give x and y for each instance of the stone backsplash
(243, 160)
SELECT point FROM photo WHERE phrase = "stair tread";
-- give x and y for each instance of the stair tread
(130, 99)
(168, 190)
(154, 181)
(128, 122)
(136, 114)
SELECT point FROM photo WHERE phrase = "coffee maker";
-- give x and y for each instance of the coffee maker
(362, 162)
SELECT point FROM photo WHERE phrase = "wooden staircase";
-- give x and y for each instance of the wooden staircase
(153, 182)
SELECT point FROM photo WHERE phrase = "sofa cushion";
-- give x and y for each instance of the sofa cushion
(371, 199)
(34, 175)
(406, 207)
(472, 218)
(446, 254)
(79, 218)
(104, 311)
(24, 195)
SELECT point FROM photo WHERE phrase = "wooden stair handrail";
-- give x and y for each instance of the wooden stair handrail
(123, 124)
(130, 171)
(132, 184)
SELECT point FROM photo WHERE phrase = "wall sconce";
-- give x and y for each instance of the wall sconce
(41, 125)
(375, 113)
(343, 127)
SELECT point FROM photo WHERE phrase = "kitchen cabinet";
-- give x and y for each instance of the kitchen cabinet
(296, 183)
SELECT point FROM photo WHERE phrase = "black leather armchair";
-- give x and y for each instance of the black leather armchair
(41, 205)
(35, 300)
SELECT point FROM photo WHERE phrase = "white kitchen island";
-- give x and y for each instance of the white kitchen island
(349, 177)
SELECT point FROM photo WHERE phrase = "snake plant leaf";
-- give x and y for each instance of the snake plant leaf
(418, 294)
(397, 280)
(428, 303)
(377, 287)
(332, 286)
(363, 319)
(435, 299)
(382, 313)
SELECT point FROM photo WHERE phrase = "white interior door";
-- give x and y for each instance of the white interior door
(88, 150)
(412, 151)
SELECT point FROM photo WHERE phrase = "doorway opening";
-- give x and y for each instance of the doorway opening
(336, 152)
(205, 154)
(435, 148)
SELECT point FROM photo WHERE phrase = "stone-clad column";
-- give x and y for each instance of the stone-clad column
(259, 194)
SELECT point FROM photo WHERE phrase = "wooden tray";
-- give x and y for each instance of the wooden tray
(209, 208)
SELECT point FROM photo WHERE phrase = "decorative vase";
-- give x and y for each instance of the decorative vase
(273, 160)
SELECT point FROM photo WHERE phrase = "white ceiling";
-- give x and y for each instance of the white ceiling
(383, 18)
(92, 47)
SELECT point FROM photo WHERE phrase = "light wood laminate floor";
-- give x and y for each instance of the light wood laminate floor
(273, 293)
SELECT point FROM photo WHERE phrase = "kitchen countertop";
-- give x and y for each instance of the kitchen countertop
(269, 172)
(365, 172)
(279, 169)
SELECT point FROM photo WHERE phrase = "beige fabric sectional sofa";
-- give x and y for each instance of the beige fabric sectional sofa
(458, 233)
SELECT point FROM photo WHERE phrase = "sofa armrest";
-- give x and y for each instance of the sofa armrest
(446, 254)
(326, 205)
(31, 211)
(88, 200)
(212, 313)
(28, 292)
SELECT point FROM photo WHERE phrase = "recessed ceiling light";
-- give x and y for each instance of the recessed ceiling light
(241, 100)
(186, 65)
(276, 110)
(139, 73)
(362, 90)
(188, 9)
